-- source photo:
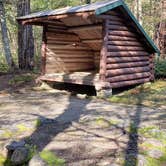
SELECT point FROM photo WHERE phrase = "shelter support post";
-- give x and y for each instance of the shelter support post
(103, 88)
(43, 50)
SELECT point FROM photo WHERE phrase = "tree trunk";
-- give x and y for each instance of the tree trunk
(88, 1)
(25, 38)
(140, 11)
(5, 38)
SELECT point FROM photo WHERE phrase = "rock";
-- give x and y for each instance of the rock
(105, 93)
(20, 156)
(14, 145)
(82, 96)
(114, 165)
(36, 161)
(154, 153)
(141, 160)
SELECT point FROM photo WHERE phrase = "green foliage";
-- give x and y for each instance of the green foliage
(160, 68)
(51, 159)
(152, 95)
(32, 151)
(20, 79)
(2, 160)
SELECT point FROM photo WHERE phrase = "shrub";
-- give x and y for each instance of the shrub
(160, 69)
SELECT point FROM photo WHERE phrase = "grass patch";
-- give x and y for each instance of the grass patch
(51, 159)
(22, 128)
(153, 132)
(2, 160)
(20, 79)
(153, 95)
(106, 123)
(7, 134)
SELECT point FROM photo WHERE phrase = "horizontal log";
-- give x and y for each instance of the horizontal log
(66, 70)
(71, 64)
(127, 65)
(122, 38)
(70, 52)
(126, 59)
(92, 41)
(67, 47)
(128, 53)
(71, 60)
(116, 72)
(122, 33)
(124, 43)
(56, 35)
(128, 83)
(113, 22)
(124, 48)
(56, 27)
(85, 27)
(69, 55)
(118, 27)
(58, 31)
(61, 42)
(66, 78)
(60, 39)
(128, 77)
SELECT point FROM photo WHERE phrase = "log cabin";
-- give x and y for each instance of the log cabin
(99, 44)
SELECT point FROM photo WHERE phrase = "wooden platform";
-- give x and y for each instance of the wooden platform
(82, 78)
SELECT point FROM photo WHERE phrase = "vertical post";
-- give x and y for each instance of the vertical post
(43, 51)
(151, 64)
(103, 53)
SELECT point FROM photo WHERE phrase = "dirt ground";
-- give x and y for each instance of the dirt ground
(81, 131)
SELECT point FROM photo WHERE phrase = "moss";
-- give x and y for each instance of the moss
(149, 94)
(20, 79)
(7, 134)
(51, 159)
(22, 128)
(155, 162)
(2, 160)
(32, 150)
(38, 123)
(106, 123)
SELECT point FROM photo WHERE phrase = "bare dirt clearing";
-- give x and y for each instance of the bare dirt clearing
(82, 131)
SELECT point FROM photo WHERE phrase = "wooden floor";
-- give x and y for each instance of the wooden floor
(85, 78)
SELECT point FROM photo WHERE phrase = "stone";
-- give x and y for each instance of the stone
(82, 96)
(36, 161)
(20, 156)
(104, 93)
(141, 160)
(154, 153)
(14, 145)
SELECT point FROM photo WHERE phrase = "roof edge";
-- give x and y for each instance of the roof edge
(121, 3)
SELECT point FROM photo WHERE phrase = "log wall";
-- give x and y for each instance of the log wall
(65, 52)
(128, 60)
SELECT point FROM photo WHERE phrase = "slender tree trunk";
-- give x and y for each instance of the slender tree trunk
(140, 11)
(25, 38)
(5, 38)
(88, 1)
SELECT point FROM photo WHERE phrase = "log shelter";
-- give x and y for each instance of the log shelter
(99, 44)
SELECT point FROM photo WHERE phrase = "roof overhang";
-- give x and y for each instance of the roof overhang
(85, 11)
